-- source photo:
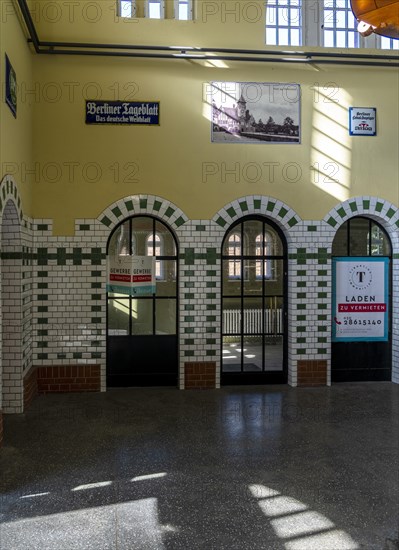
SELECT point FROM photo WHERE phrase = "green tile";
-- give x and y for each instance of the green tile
(106, 221)
(211, 256)
(189, 256)
(390, 213)
(96, 297)
(96, 273)
(301, 273)
(211, 307)
(95, 355)
(210, 284)
(283, 212)
(312, 227)
(96, 285)
(301, 329)
(42, 356)
(322, 340)
(231, 212)
(301, 295)
(341, 212)
(322, 294)
(189, 307)
(189, 296)
(210, 296)
(42, 227)
(322, 317)
(301, 306)
(42, 297)
(200, 228)
(189, 330)
(257, 204)
(189, 284)
(42, 344)
(210, 353)
(301, 284)
(143, 205)
(332, 222)
(61, 355)
(322, 351)
(270, 206)
(42, 285)
(95, 308)
(129, 206)
(189, 353)
(366, 204)
(77, 355)
(157, 206)
(211, 341)
(353, 206)
(117, 212)
(301, 351)
(211, 273)
(179, 222)
(169, 212)
(220, 221)
(322, 273)
(292, 222)
(301, 340)
(379, 206)
(189, 341)
(96, 320)
(210, 318)
(42, 321)
(189, 319)
(244, 206)
(189, 272)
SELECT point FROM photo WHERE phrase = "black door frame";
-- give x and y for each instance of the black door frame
(126, 346)
(361, 354)
(265, 377)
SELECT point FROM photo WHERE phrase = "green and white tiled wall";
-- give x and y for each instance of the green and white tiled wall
(63, 280)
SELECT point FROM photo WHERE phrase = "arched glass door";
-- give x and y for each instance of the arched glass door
(254, 308)
(364, 358)
(142, 331)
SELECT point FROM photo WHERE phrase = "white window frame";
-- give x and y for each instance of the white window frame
(161, 4)
(234, 247)
(190, 14)
(313, 31)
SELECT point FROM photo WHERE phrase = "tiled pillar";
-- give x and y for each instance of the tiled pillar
(200, 314)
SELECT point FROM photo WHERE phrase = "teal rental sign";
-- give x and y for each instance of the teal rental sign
(122, 112)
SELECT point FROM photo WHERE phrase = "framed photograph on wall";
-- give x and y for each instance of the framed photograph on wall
(11, 87)
(255, 112)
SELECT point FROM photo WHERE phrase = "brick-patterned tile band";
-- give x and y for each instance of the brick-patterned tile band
(69, 378)
(200, 376)
(312, 373)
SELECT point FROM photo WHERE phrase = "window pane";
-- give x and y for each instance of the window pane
(273, 316)
(380, 245)
(253, 277)
(126, 8)
(340, 244)
(118, 317)
(341, 39)
(168, 242)
(252, 229)
(359, 237)
(183, 12)
(328, 19)
(274, 282)
(253, 316)
(283, 38)
(271, 36)
(231, 354)
(274, 353)
(329, 39)
(231, 323)
(295, 16)
(142, 320)
(252, 353)
(154, 11)
(165, 315)
(271, 16)
(340, 19)
(351, 40)
(142, 229)
(231, 277)
(166, 283)
(282, 14)
(296, 38)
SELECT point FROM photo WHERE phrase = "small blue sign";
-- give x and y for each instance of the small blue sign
(122, 112)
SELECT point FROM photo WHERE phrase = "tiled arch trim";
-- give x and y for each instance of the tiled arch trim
(270, 207)
(9, 191)
(143, 204)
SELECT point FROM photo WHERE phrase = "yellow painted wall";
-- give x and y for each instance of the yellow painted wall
(178, 161)
(16, 133)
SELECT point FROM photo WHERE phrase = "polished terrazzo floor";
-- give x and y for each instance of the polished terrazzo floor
(238, 469)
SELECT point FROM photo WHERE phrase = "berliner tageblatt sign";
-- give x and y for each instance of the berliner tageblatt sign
(362, 121)
(122, 112)
(360, 299)
(132, 275)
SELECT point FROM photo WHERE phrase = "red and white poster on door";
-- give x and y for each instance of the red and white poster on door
(132, 275)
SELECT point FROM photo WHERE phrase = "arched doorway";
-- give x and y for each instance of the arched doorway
(362, 349)
(254, 303)
(142, 331)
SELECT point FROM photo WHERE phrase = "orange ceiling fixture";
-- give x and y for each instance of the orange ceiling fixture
(378, 16)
